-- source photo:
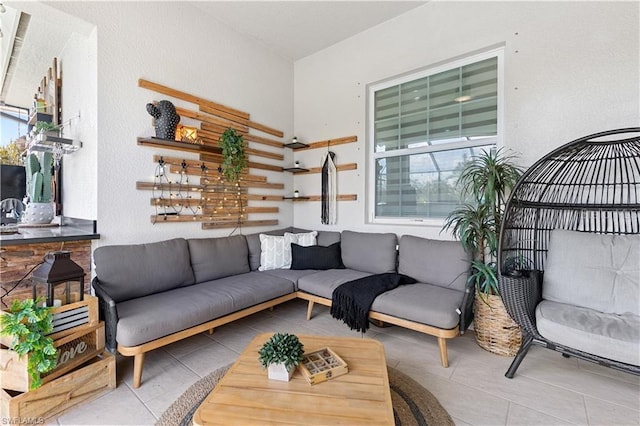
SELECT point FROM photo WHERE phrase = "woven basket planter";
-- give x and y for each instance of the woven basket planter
(495, 331)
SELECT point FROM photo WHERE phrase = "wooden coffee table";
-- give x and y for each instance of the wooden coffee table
(246, 396)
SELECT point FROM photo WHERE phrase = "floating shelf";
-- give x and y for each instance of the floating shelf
(179, 146)
(344, 197)
(296, 145)
(329, 142)
(295, 169)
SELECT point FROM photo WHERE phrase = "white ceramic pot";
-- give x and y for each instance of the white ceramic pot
(279, 372)
(38, 213)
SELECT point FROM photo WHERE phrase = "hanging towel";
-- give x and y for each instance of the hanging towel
(329, 190)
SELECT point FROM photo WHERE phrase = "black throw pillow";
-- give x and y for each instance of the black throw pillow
(316, 257)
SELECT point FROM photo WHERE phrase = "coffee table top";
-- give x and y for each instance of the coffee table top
(246, 396)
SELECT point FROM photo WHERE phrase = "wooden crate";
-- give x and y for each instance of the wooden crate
(322, 365)
(69, 319)
(73, 350)
(96, 377)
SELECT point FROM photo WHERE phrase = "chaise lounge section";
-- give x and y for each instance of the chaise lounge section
(155, 294)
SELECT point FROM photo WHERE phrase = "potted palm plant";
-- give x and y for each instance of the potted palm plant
(485, 183)
(281, 354)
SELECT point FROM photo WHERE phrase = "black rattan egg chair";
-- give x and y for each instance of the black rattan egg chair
(589, 185)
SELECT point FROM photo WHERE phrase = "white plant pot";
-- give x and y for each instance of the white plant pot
(38, 213)
(279, 372)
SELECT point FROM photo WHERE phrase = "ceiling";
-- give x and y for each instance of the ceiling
(291, 29)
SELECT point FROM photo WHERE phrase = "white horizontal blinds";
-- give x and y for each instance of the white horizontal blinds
(461, 102)
(425, 127)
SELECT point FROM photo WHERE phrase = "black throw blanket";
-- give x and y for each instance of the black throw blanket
(352, 300)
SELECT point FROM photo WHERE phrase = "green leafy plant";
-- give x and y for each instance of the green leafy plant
(282, 348)
(485, 183)
(28, 322)
(11, 154)
(45, 126)
(234, 158)
(39, 177)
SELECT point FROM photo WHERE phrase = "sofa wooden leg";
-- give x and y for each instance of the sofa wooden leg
(309, 310)
(442, 343)
(211, 331)
(138, 361)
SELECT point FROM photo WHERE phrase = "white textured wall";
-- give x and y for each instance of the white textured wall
(174, 44)
(78, 63)
(571, 69)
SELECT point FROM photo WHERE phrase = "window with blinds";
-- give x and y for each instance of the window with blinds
(422, 129)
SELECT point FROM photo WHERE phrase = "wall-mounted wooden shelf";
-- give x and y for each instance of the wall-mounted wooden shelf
(296, 145)
(323, 144)
(179, 146)
(295, 169)
(340, 168)
(245, 223)
(344, 197)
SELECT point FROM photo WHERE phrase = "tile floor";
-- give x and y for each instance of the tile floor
(547, 390)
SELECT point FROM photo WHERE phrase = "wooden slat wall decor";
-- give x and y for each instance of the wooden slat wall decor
(211, 201)
(16, 261)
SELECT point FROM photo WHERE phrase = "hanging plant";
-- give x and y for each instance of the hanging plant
(28, 322)
(234, 158)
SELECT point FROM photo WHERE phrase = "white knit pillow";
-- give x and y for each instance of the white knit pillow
(305, 239)
(275, 251)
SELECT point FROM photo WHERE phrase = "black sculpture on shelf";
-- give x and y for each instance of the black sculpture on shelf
(166, 119)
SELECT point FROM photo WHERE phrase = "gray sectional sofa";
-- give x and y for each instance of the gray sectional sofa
(155, 294)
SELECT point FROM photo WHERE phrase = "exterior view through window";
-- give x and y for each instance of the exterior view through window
(423, 127)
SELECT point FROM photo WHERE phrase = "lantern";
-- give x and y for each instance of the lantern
(58, 271)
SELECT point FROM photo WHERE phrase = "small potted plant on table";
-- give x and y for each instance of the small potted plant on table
(281, 354)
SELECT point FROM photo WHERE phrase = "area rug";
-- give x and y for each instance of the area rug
(412, 403)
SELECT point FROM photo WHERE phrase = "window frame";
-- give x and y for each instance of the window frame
(372, 156)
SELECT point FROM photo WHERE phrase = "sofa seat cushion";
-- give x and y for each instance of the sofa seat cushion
(423, 303)
(148, 318)
(322, 283)
(136, 270)
(290, 274)
(611, 336)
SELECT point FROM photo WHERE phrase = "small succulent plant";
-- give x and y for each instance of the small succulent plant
(282, 348)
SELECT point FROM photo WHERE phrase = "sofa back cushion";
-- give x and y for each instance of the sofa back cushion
(213, 258)
(327, 238)
(254, 244)
(441, 263)
(129, 271)
(369, 252)
(595, 271)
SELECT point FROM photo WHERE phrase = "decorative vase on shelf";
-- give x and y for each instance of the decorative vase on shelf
(38, 213)
(296, 164)
(279, 372)
(296, 194)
